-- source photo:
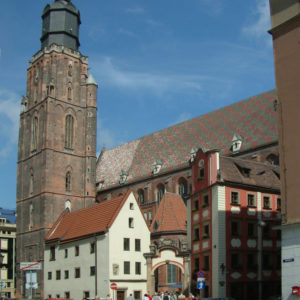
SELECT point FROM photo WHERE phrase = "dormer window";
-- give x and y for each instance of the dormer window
(244, 171)
(236, 143)
(156, 166)
(123, 177)
(100, 186)
(156, 225)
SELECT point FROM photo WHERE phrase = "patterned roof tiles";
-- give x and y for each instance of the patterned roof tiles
(254, 119)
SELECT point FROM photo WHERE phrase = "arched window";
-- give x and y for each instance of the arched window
(182, 187)
(34, 133)
(30, 216)
(69, 93)
(69, 132)
(68, 181)
(160, 192)
(141, 197)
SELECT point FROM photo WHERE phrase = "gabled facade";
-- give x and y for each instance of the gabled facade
(88, 249)
(235, 206)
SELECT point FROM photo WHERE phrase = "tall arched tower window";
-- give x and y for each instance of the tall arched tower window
(69, 93)
(31, 182)
(34, 133)
(160, 192)
(68, 181)
(182, 187)
(69, 132)
(141, 197)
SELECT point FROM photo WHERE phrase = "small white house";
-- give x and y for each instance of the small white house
(88, 249)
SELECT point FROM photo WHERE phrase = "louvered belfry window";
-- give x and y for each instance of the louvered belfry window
(69, 132)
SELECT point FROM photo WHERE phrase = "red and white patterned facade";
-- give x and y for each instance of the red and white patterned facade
(235, 206)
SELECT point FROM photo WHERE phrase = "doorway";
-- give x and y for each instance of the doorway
(120, 295)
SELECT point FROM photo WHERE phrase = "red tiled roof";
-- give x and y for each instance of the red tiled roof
(261, 174)
(253, 119)
(171, 214)
(87, 221)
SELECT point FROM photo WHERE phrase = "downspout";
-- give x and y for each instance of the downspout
(96, 267)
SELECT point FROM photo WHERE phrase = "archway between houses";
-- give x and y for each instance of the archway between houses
(167, 266)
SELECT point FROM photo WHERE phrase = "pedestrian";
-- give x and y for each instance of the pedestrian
(166, 296)
(156, 297)
(130, 297)
(146, 297)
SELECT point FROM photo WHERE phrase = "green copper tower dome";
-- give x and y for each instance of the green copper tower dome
(61, 22)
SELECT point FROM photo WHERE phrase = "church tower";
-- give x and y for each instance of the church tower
(57, 137)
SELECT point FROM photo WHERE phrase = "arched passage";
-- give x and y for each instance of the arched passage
(167, 253)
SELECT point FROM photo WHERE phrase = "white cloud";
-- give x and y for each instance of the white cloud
(260, 20)
(9, 120)
(159, 84)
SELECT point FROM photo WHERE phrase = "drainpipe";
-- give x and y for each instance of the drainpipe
(96, 267)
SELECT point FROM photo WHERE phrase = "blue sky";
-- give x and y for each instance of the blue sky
(157, 63)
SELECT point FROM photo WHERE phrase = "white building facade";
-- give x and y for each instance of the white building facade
(86, 265)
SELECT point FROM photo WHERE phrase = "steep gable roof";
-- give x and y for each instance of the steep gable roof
(87, 221)
(171, 215)
(258, 174)
(254, 119)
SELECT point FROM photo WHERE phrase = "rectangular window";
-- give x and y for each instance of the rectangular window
(130, 223)
(236, 261)
(205, 231)
(251, 200)
(235, 228)
(201, 174)
(196, 234)
(86, 294)
(77, 273)
(235, 198)
(131, 207)
(206, 262)
(67, 295)
(205, 201)
(58, 275)
(76, 250)
(252, 262)
(126, 267)
(267, 263)
(126, 244)
(52, 253)
(150, 215)
(196, 204)
(171, 273)
(92, 271)
(279, 204)
(138, 268)
(137, 245)
(92, 247)
(137, 295)
(49, 275)
(267, 202)
(146, 216)
(267, 231)
(251, 229)
(197, 264)
(66, 253)
(66, 274)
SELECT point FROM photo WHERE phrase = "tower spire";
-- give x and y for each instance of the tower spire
(61, 22)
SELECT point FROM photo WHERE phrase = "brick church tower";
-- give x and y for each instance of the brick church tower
(57, 137)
